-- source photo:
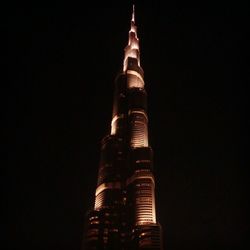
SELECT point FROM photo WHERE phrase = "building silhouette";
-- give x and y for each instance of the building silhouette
(124, 213)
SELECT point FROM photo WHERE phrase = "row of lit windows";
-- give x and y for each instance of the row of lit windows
(99, 200)
(144, 200)
(139, 134)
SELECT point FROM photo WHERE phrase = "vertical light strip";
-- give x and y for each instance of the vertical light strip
(145, 202)
(139, 129)
(143, 182)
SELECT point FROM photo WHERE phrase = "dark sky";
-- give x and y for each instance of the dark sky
(62, 61)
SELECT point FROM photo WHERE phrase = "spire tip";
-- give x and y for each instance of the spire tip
(133, 14)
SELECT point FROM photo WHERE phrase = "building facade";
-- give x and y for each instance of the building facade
(124, 213)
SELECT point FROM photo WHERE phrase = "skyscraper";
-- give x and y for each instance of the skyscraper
(124, 214)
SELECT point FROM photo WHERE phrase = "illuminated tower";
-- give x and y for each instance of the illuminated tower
(124, 214)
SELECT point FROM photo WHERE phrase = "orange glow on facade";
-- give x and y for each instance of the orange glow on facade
(134, 80)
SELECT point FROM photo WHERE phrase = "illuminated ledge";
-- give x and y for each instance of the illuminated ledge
(136, 111)
(116, 117)
(146, 223)
(133, 72)
(113, 123)
(140, 174)
(109, 185)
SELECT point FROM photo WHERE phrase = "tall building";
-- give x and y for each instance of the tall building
(124, 214)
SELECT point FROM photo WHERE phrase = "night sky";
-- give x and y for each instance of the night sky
(62, 61)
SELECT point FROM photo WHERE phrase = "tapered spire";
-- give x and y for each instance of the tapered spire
(133, 14)
(132, 49)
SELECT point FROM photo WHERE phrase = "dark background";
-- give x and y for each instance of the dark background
(62, 60)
